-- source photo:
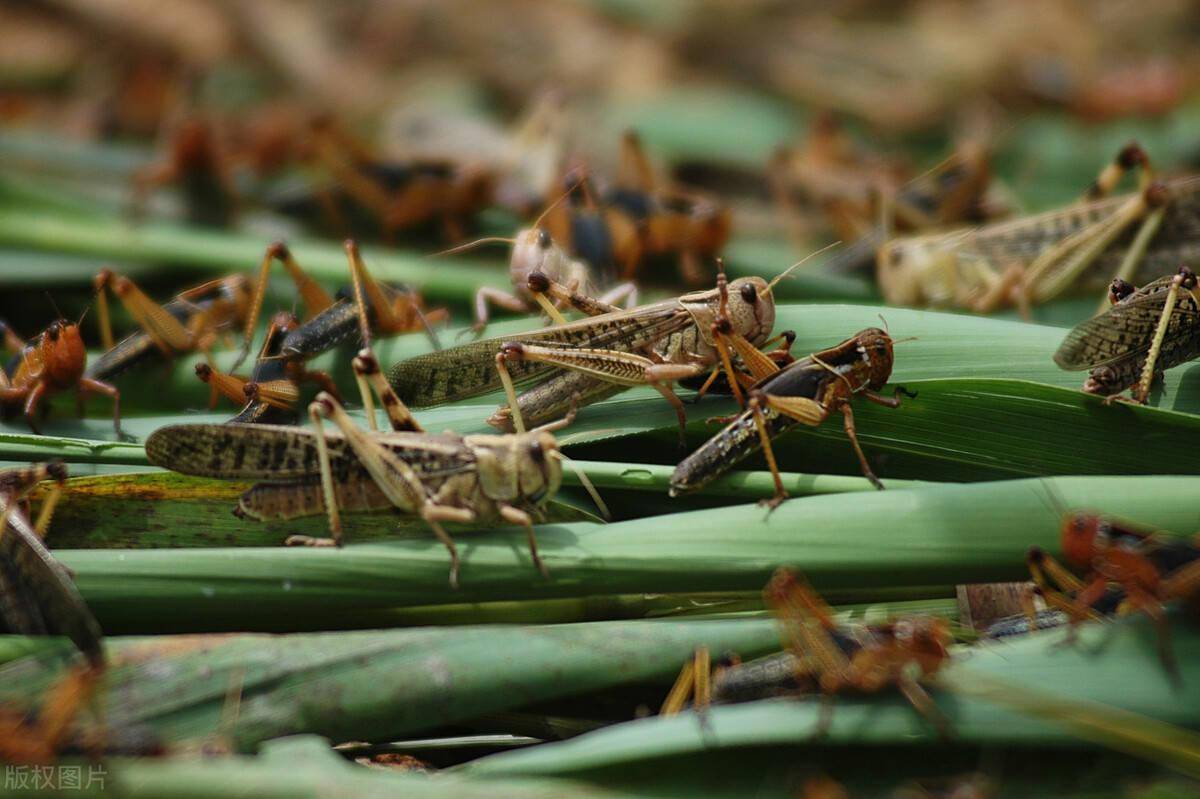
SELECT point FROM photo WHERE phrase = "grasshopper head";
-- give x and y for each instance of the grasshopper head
(919, 271)
(62, 352)
(1079, 536)
(874, 347)
(534, 250)
(751, 308)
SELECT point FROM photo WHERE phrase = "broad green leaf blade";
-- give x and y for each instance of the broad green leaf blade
(164, 509)
(306, 766)
(849, 545)
(947, 346)
(1114, 666)
(221, 252)
(378, 685)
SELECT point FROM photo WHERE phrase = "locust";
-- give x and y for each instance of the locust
(51, 363)
(38, 597)
(808, 391)
(1125, 568)
(195, 319)
(534, 251)
(372, 308)
(1035, 258)
(271, 394)
(1145, 332)
(593, 358)
(823, 657)
(440, 477)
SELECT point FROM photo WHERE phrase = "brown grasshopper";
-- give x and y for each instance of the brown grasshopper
(535, 252)
(1035, 258)
(37, 594)
(1145, 332)
(38, 597)
(807, 391)
(597, 357)
(824, 657)
(439, 477)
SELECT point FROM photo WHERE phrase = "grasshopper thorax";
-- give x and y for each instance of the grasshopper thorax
(521, 468)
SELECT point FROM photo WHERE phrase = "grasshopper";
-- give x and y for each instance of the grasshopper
(1145, 332)
(534, 251)
(1035, 258)
(193, 321)
(823, 657)
(1125, 568)
(38, 597)
(597, 357)
(37, 594)
(271, 394)
(372, 308)
(439, 477)
(807, 391)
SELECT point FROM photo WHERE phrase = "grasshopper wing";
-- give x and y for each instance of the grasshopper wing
(470, 370)
(1127, 328)
(242, 451)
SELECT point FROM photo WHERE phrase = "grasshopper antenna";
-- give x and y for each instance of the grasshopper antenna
(586, 482)
(570, 189)
(767, 292)
(58, 314)
(470, 245)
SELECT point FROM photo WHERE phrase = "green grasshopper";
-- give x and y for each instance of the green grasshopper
(440, 477)
(590, 359)
(1145, 332)
(1035, 258)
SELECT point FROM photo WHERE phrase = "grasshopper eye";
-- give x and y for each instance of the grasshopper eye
(537, 453)
(53, 331)
(543, 239)
(749, 294)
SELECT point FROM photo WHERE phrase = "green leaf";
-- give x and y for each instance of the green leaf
(849, 545)
(1094, 678)
(376, 685)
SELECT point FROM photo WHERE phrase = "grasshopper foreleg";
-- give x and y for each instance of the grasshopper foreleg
(517, 516)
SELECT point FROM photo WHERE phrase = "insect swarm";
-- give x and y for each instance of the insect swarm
(807, 391)
(599, 356)
(53, 362)
(1033, 259)
(1145, 332)
(438, 477)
